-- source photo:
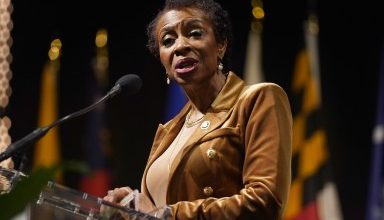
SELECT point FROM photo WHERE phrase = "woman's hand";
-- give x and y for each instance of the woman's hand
(125, 196)
(116, 195)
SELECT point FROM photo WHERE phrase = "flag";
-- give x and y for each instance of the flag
(375, 204)
(313, 194)
(253, 68)
(97, 144)
(175, 100)
(47, 149)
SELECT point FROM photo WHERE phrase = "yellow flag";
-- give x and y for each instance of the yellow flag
(47, 149)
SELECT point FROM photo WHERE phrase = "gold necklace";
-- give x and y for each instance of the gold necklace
(189, 124)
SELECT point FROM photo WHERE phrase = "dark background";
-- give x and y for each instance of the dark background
(351, 35)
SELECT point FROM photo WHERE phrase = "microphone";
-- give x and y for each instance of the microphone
(130, 83)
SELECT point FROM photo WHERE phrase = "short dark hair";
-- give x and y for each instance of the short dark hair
(219, 17)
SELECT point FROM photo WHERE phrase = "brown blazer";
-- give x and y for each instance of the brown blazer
(237, 165)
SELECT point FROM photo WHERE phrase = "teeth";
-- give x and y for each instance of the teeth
(187, 63)
(184, 65)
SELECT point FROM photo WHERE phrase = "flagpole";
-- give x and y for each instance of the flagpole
(253, 72)
(311, 28)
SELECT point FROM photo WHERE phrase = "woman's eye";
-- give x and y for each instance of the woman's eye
(167, 41)
(196, 33)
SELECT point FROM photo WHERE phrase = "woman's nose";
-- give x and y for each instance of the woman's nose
(182, 46)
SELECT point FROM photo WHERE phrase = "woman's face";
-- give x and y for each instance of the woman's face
(187, 46)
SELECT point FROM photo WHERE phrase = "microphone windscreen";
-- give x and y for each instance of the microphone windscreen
(130, 83)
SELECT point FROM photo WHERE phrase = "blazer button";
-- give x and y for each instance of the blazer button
(205, 125)
(208, 191)
(211, 153)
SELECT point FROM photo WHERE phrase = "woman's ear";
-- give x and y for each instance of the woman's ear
(221, 49)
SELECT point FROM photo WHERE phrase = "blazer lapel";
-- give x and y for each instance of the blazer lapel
(169, 133)
(164, 137)
(214, 120)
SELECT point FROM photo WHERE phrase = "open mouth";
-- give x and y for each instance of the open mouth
(186, 65)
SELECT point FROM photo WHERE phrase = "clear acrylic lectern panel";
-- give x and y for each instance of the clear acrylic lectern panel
(57, 202)
(8, 178)
(60, 202)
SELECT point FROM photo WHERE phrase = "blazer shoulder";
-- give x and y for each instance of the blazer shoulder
(263, 87)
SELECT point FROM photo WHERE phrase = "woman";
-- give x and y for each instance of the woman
(227, 154)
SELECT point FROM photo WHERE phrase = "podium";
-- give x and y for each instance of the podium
(58, 202)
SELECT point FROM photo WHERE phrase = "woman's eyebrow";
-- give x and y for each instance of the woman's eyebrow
(169, 27)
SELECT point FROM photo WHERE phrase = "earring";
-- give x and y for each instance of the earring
(168, 80)
(220, 67)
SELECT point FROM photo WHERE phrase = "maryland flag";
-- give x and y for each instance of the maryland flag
(313, 195)
(47, 149)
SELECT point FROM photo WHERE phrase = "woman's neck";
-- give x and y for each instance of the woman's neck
(204, 94)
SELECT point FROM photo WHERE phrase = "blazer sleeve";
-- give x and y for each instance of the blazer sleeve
(266, 132)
